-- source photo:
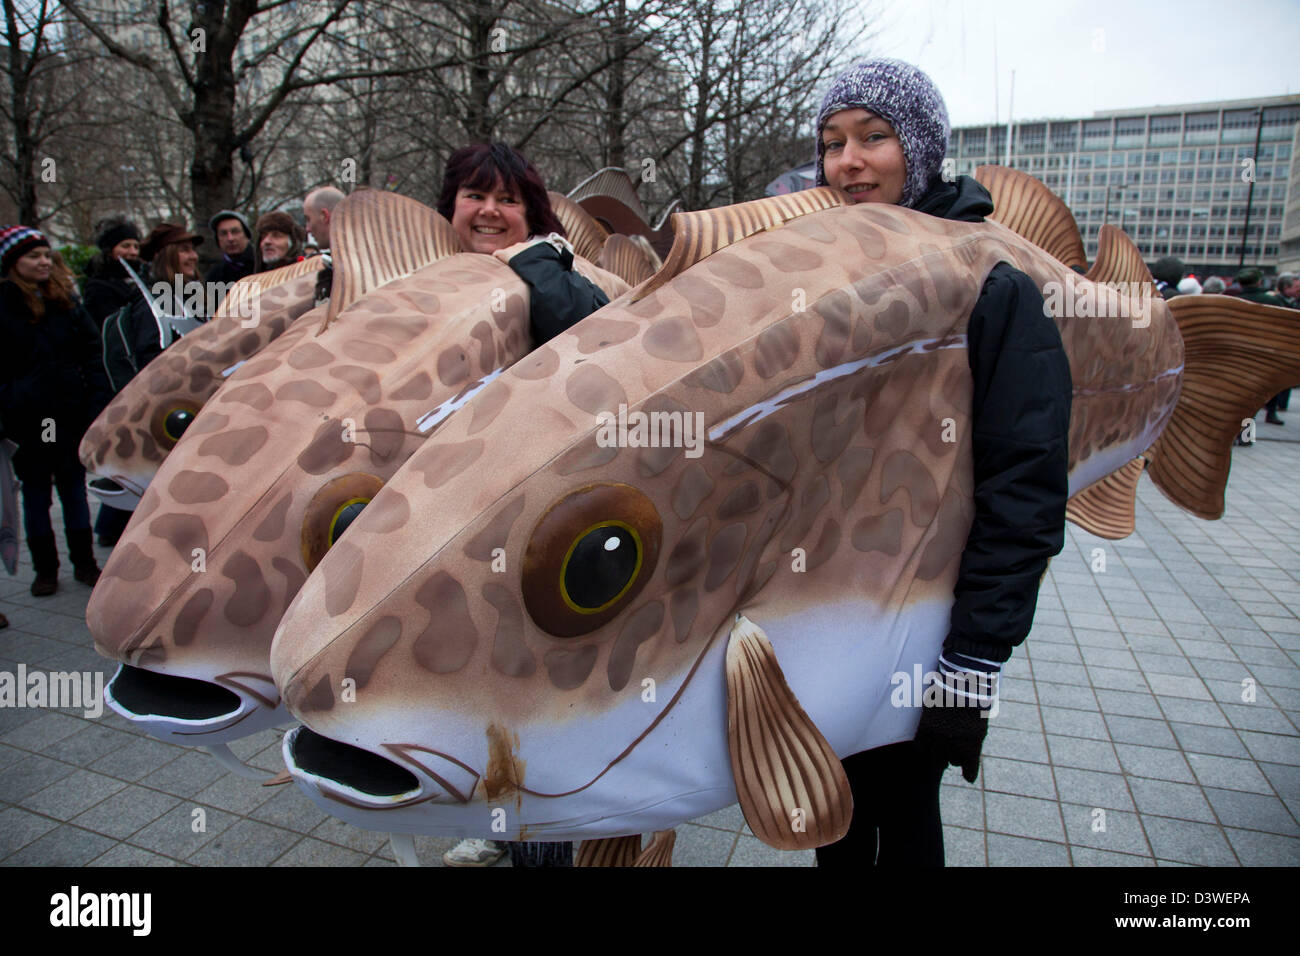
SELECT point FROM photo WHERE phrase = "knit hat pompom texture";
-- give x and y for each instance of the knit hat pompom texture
(909, 101)
(16, 242)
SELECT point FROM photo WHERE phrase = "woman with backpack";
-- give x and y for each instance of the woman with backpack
(52, 385)
(173, 262)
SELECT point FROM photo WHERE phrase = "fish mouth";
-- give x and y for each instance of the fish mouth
(189, 710)
(118, 491)
(347, 774)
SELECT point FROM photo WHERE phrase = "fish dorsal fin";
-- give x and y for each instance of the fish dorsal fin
(659, 851)
(791, 786)
(1105, 508)
(626, 259)
(1031, 210)
(250, 287)
(610, 851)
(642, 243)
(611, 181)
(378, 236)
(663, 219)
(697, 235)
(1119, 261)
(1237, 354)
(587, 235)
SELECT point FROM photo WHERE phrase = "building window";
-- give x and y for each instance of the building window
(1205, 156)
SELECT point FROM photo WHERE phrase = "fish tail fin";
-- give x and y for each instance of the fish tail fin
(376, 237)
(1238, 354)
(1031, 210)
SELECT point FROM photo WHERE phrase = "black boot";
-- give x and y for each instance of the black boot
(45, 559)
(83, 556)
(1272, 418)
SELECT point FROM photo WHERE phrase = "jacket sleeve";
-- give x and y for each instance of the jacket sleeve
(559, 297)
(91, 361)
(144, 333)
(1020, 441)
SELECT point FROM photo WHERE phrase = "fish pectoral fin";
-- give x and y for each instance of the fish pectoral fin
(1106, 507)
(659, 851)
(610, 851)
(281, 778)
(792, 787)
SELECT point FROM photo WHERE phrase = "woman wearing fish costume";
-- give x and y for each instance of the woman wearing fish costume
(882, 133)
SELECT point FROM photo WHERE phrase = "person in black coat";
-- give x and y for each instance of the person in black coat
(881, 137)
(108, 287)
(236, 242)
(52, 386)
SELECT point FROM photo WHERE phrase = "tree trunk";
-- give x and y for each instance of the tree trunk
(478, 119)
(615, 110)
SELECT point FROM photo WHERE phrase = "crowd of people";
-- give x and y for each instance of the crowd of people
(881, 135)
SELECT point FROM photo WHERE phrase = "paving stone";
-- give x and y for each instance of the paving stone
(36, 735)
(1274, 748)
(1023, 816)
(1059, 673)
(1006, 850)
(18, 827)
(1114, 640)
(1185, 842)
(1228, 773)
(235, 794)
(1197, 738)
(137, 759)
(124, 854)
(290, 809)
(173, 833)
(1066, 695)
(1175, 664)
(1252, 811)
(1016, 777)
(1082, 753)
(1173, 685)
(1073, 723)
(63, 846)
(1086, 856)
(1115, 679)
(1018, 715)
(1285, 779)
(1140, 730)
(317, 853)
(728, 818)
(125, 811)
(963, 847)
(750, 851)
(702, 846)
(1192, 711)
(1154, 762)
(246, 843)
(1263, 849)
(1016, 744)
(1165, 798)
(1127, 703)
(1066, 653)
(962, 804)
(186, 775)
(1093, 788)
(27, 776)
(89, 744)
(334, 830)
(1100, 828)
(67, 797)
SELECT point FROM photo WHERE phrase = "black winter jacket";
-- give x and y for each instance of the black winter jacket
(1020, 439)
(232, 268)
(559, 297)
(108, 287)
(49, 368)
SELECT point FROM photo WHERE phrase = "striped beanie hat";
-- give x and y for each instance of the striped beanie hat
(905, 97)
(16, 242)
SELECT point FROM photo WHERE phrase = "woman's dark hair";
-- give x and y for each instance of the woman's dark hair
(481, 165)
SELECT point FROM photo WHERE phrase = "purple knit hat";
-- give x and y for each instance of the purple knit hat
(905, 97)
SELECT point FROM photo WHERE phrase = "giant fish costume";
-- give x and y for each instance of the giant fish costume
(124, 446)
(284, 456)
(547, 625)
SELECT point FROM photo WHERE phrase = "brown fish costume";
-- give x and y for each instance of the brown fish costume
(673, 558)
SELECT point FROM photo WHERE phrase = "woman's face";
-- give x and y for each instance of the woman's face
(864, 157)
(188, 260)
(486, 220)
(127, 249)
(35, 266)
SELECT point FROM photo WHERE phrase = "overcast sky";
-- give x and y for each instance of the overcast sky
(1072, 58)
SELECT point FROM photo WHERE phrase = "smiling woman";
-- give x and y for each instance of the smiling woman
(497, 203)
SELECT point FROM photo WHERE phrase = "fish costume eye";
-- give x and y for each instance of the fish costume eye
(170, 422)
(333, 508)
(589, 556)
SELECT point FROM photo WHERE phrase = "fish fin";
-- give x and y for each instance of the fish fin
(1031, 210)
(378, 236)
(250, 287)
(1237, 355)
(697, 235)
(610, 851)
(587, 235)
(1119, 261)
(1106, 507)
(659, 851)
(283, 777)
(791, 786)
(613, 183)
(626, 259)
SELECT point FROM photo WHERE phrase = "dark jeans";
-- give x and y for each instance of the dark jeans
(40, 469)
(895, 811)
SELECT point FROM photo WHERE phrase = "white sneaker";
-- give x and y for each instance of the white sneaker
(474, 853)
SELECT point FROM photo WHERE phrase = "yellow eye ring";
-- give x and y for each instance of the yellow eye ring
(632, 578)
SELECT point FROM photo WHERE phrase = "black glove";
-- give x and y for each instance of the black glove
(955, 719)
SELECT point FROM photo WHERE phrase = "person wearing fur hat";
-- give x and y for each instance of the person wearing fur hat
(108, 287)
(236, 242)
(52, 385)
(882, 132)
(279, 241)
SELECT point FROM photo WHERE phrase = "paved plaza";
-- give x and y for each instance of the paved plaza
(1127, 736)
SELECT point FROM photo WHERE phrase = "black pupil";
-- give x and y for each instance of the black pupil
(177, 421)
(344, 518)
(600, 567)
